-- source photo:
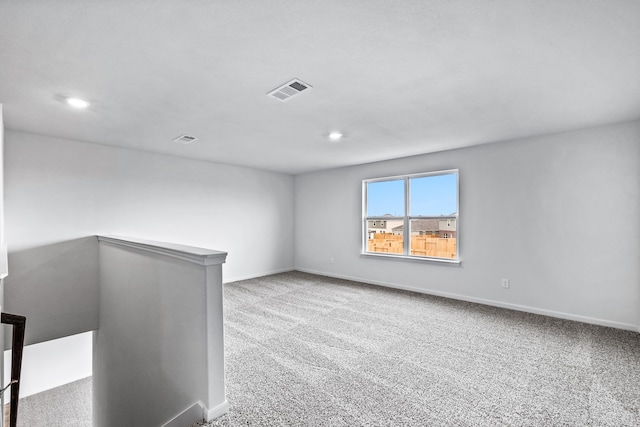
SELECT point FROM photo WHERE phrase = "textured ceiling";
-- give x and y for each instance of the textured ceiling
(398, 77)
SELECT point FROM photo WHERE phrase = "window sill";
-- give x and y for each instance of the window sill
(412, 258)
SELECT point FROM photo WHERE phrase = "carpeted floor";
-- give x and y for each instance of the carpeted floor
(65, 406)
(305, 350)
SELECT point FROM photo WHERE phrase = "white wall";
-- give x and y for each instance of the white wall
(3, 241)
(558, 215)
(3, 256)
(50, 364)
(58, 192)
(159, 349)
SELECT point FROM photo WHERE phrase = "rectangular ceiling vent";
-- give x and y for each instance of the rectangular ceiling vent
(185, 139)
(289, 90)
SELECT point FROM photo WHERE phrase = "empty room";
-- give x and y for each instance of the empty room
(337, 213)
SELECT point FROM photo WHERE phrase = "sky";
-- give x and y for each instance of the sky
(433, 195)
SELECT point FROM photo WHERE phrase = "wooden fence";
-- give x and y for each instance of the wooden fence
(429, 246)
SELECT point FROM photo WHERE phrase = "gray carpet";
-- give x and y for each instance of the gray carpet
(305, 350)
(65, 406)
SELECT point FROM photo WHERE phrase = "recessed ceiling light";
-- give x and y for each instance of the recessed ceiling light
(335, 136)
(77, 102)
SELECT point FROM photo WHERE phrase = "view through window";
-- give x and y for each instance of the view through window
(425, 204)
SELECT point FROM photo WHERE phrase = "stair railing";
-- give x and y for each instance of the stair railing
(17, 347)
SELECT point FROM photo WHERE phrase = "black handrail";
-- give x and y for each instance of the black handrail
(17, 346)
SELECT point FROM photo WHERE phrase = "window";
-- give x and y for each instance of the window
(424, 204)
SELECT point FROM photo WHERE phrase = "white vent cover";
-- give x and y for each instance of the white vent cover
(185, 139)
(289, 90)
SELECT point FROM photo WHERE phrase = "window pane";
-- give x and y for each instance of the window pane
(385, 198)
(434, 237)
(435, 195)
(385, 236)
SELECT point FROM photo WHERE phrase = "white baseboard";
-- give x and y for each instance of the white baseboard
(196, 413)
(191, 415)
(218, 411)
(253, 276)
(517, 307)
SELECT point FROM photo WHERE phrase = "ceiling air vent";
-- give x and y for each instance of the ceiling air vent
(289, 90)
(185, 139)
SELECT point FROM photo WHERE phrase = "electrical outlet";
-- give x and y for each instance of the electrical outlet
(332, 260)
(506, 283)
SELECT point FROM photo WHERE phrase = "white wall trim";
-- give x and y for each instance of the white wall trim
(191, 415)
(216, 412)
(253, 276)
(186, 253)
(517, 307)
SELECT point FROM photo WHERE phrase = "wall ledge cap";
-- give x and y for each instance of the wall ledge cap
(193, 254)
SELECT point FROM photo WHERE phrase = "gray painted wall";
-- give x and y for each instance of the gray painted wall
(58, 192)
(151, 356)
(557, 215)
(3, 258)
(3, 242)
(538, 211)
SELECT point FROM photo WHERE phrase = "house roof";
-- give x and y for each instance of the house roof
(421, 225)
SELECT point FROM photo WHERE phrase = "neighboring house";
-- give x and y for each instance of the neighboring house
(444, 228)
(377, 226)
(447, 228)
(382, 226)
